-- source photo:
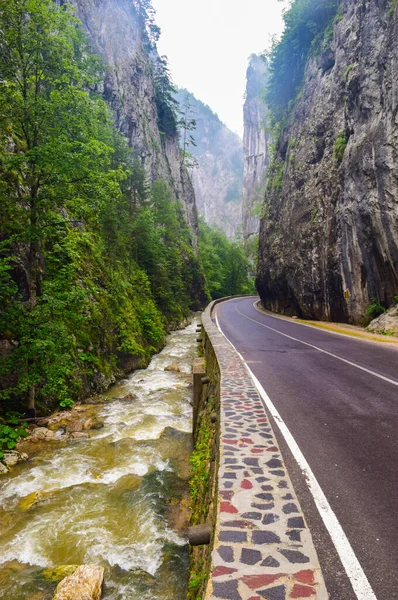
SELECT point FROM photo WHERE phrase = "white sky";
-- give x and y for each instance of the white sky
(208, 43)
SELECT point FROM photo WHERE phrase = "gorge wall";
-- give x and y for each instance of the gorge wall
(217, 166)
(256, 142)
(329, 235)
(117, 32)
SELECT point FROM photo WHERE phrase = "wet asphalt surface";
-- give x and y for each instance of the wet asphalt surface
(345, 421)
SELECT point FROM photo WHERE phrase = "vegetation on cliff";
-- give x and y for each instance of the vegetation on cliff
(305, 24)
(94, 262)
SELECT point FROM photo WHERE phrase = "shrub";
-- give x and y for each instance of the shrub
(375, 309)
(340, 146)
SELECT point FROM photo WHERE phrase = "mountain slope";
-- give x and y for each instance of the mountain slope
(217, 174)
(256, 142)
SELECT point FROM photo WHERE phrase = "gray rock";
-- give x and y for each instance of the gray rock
(386, 323)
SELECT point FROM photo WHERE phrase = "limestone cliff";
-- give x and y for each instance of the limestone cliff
(217, 168)
(256, 143)
(329, 237)
(117, 32)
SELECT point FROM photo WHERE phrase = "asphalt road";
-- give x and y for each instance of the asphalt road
(344, 420)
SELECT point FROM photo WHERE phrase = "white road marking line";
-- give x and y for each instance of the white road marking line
(355, 573)
(348, 362)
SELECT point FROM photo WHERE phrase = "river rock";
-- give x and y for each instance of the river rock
(33, 499)
(173, 367)
(94, 423)
(129, 397)
(14, 457)
(74, 426)
(3, 469)
(84, 584)
(386, 323)
(79, 435)
(41, 433)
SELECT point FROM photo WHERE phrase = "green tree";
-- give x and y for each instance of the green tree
(227, 269)
(61, 186)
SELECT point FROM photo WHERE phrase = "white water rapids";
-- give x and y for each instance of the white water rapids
(103, 500)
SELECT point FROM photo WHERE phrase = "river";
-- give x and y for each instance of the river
(108, 499)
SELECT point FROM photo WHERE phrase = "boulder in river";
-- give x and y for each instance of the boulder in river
(3, 469)
(33, 499)
(75, 426)
(79, 435)
(173, 367)
(41, 433)
(94, 423)
(84, 584)
(14, 457)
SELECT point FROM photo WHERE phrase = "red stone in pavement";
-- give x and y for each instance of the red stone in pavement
(246, 484)
(221, 570)
(256, 581)
(230, 441)
(272, 449)
(302, 591)
(247, 440)
(227, 507)
(256, 450)
(255, 598)
(263, 420)
(306, 576)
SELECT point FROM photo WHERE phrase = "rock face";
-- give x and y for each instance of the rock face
(84, 584)
(118, 34)
(256, 142)
(217, 169)
(329, 237)
(386, 323)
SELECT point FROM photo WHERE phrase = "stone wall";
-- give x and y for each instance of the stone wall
(204, 507)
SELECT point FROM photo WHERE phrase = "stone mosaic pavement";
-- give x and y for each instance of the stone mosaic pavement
(262, 547)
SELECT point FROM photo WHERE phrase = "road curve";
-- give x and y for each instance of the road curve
(338, 397)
